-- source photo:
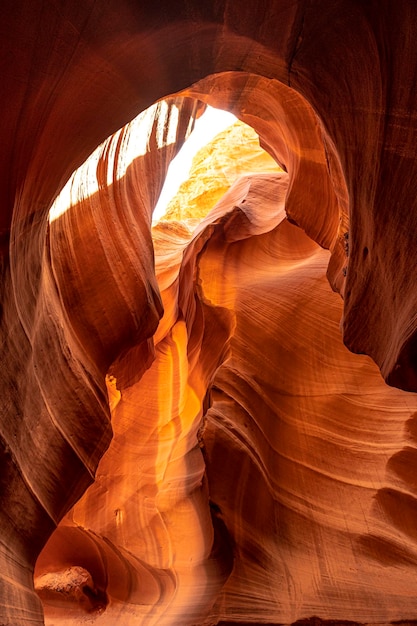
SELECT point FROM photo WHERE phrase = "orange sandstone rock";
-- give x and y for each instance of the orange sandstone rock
(232, 153)
(278, 467)
(258, 492)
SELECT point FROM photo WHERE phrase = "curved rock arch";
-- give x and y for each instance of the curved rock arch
(317, 49)
(48, 60)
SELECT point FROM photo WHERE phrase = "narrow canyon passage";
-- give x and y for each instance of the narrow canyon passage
(195, 423)
(249, 445)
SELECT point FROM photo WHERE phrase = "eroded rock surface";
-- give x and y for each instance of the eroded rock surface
(215, 167)
(248, 466)
(232, 482)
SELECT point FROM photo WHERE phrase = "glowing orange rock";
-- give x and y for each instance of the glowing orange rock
(310, 456)
(258, 492)
(232, 153)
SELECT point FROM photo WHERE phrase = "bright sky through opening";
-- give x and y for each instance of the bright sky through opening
(211, 123)
(83, 182)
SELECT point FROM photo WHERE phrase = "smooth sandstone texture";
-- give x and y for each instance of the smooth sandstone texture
(56, 413)
(259, 472)
(234, 488)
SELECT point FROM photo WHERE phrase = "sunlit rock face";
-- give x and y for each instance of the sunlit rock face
(214, 169)
(56, 354)
(235, 489)
(241, 465)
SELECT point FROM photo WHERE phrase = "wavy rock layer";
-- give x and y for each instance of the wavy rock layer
(306, 471)
(234, 488)
(309, 486)
(55, 403)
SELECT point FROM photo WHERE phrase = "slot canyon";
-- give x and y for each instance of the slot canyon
(209, 419)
